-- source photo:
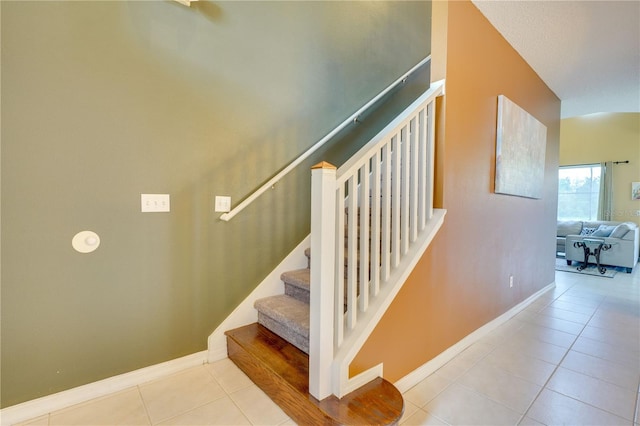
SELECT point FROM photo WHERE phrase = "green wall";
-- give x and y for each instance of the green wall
(103, 101)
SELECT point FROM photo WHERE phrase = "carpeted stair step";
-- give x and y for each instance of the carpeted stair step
(297, 284)
(287, 317)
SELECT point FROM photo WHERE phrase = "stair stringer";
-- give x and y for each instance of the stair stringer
(245, 313)
(356, 338)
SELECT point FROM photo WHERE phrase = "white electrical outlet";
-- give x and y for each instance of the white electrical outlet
(154, 203)
(510, 281)
(223, 204)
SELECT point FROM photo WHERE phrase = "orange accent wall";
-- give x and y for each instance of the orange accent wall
(462, 281)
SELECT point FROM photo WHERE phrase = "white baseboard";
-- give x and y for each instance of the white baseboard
(242, 315)
(245, 313)
(57, 401)
(217, 350)
(350, 384)
(422, 372)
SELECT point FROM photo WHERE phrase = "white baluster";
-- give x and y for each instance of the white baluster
(423, 189)
(363, 299)
(386, 212)
(413, 180)
(395, 202)
(352, 253)
(375, 223)
(404, 210)
(431, 143)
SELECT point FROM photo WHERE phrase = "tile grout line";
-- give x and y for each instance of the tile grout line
(240, 409)
(636, 417)
(563, 358)
(209, 374)
(606, 299)
(544, 386)
(475, 363)
(456, 380)
(144, 404)
(522, 416)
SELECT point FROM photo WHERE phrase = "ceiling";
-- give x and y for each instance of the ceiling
(587, 52)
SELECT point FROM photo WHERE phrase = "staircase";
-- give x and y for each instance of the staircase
(279, 344)
(287, 315)
(300, 349)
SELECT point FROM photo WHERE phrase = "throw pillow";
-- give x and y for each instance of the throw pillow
(603, 231)
(619, 231)
(587, 231)
(569, 228)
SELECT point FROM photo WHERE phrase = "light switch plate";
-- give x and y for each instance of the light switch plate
(223, 204)
(154, 203)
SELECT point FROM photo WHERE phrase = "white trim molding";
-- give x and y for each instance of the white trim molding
(354, 342)
(428, 368)
(242, 315)
(57, 401)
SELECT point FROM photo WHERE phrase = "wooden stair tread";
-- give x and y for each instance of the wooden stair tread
(282, 371)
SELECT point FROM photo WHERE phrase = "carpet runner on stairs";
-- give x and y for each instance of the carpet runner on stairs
(287, 317)
(274, 354)
(287, 314)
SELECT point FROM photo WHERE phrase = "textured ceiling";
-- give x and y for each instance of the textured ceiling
(587, 52)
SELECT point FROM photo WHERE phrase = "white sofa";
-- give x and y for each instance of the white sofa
(624, 238)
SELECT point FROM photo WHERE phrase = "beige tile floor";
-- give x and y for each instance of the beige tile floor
(572, 357)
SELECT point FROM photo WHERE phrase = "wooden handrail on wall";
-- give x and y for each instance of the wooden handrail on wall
(351, 119)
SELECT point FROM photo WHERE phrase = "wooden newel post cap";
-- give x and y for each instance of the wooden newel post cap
(324, 165)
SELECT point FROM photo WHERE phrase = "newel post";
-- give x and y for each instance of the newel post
(323, 237)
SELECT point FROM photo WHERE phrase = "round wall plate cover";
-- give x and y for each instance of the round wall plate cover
(85, 241)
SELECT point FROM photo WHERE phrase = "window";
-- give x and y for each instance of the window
(578, 192)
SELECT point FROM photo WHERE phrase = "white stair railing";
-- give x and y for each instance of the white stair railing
(371, 220)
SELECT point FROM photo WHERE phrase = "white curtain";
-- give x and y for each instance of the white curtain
(606, 191)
